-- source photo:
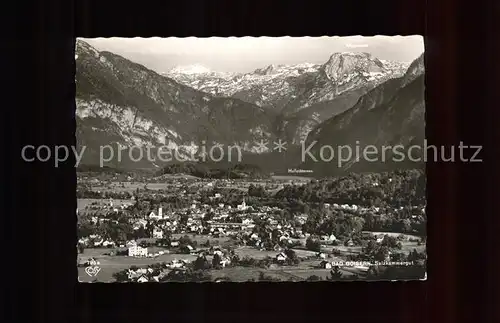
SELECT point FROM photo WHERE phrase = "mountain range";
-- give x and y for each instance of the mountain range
(351, 95)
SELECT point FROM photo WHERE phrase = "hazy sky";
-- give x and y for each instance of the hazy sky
(249, 53)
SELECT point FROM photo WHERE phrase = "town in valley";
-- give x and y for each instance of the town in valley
(182, 228)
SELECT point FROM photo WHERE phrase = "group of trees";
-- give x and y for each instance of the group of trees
(395, 189)
(207, 170)
(257, 191)
(313, 244)
(327, 222)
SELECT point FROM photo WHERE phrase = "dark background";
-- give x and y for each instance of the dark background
(38, 200)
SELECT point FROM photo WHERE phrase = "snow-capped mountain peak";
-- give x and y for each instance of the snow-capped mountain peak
(190, 70)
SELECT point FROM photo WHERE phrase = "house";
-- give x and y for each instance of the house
(242, 206)
(225, 261)
(281, 257)
(137, 251)
(142, 279)
(83, 240)
(247, 221)
(325, 264)
(321, 255)
(98, 243)
(277, 247)
(177, 263)
(174, 243)
(157, 233)
(108, 243)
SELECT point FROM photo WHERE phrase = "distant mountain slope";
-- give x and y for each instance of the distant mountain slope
(119, 101)
(391, 114)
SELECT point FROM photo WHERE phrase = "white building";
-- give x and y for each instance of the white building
(157, 233)
(242, 206)
(142, 279)
(137, 251)
(326, 265)
(281, 256)
(153, 216)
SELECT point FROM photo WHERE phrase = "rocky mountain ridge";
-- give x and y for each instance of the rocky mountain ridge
(390, 115)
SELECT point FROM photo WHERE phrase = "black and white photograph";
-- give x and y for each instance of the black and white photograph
(251, 159)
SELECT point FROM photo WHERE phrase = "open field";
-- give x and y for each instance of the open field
(284, 273)
(243, 274)
(254, 253)
(105, 275)
(237, 273)
(302, 253)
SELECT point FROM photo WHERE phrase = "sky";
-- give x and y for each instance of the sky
(245, 54)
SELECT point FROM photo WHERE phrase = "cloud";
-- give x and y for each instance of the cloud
(356, 45)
